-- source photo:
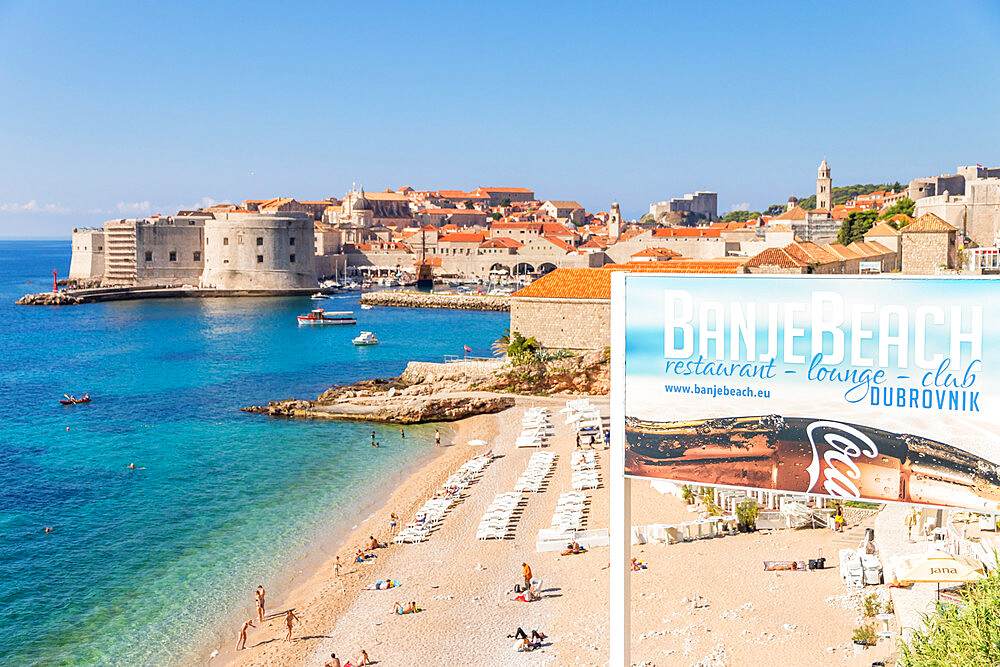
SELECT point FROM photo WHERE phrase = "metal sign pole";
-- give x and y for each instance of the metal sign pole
(621, 497)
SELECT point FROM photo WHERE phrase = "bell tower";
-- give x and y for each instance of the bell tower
(614, 223)
(824, 187)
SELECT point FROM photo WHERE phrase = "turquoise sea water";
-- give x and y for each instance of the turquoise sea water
(142, 564)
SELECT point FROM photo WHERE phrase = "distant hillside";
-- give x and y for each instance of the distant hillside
(843, 194)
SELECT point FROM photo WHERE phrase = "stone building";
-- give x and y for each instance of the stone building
(935, 185)
(568, 211)
(566, 309)
(259, 251)
(227, 249)
(976, 213)
(928, 246)
(817, 225)
(158, 250)
(88, 254)
(824, 187)
(703, 202)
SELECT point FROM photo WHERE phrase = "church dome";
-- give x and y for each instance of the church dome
(361, 204)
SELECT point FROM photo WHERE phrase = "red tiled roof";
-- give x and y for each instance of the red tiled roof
(928, 222)
(501, 242)
(462, 237)
(524, 191)
(657, 252)
(794, 213)
(596, 283)
(779, 257)
(698, 232)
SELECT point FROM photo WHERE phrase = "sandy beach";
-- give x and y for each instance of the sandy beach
(745, 615)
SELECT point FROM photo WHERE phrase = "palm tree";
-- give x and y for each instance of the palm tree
(501, 344)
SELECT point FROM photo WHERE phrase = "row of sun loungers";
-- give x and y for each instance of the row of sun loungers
(540, 467)
(586, 479)
(569, 512)
(433, 511)
(496, 520)
(535, 428)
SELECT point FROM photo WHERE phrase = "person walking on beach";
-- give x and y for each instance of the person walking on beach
(393, 520)
(288, 624)
(259, 597)
(437, 438)
(336, 566)
(526, 571)
(241, 643)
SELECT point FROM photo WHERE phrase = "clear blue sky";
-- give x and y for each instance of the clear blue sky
(118, 109)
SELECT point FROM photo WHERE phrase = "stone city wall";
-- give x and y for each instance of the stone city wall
(573, 324)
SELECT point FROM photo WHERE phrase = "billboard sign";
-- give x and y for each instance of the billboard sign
(881, 389)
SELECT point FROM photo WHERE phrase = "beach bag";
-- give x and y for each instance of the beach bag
(517, 588)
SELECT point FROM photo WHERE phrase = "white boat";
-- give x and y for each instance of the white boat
(365, 338)
(365, 306)
(318, 295)
(319, 316)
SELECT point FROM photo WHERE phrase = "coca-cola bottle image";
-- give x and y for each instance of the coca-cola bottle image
(820, 456)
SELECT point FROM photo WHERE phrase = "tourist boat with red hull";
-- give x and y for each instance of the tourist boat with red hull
(320, 316)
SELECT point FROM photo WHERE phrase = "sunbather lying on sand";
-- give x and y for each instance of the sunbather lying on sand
(529, 595)
(638, 565)
(362, 557)
(574, 548)
(410, 608)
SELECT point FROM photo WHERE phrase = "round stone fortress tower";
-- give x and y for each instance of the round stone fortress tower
(259, 251)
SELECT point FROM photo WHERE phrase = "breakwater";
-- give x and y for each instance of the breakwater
(78, 296)
(432, 300)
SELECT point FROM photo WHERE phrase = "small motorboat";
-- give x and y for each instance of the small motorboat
(320, 316)
(319, 295)
(73, 400)
(365, 306)
(365, 338)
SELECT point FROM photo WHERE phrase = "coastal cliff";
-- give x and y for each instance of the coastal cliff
(429, 392)
(425, 392)
(435, 300)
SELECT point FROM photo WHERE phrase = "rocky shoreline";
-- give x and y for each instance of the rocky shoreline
(425, 392)
(48, 299)
(432, 392)
(433, 300)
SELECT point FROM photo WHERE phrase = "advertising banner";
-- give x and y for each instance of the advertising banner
(881, 389)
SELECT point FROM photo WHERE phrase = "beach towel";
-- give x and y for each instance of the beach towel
(385, 585)
(781, 565)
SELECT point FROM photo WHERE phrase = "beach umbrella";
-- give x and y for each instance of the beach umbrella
(478, 443)
(937, 567)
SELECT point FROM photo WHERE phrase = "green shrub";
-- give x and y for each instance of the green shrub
(865, 634)
(687, 494)
(746, 515)
(952, 635)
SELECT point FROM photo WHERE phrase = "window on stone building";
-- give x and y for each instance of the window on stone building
(173, 255)
(149, 256)
(225, 240)
(260, 240)
(260, 259)
(291, 258)
(291, 241)
(197, 256)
